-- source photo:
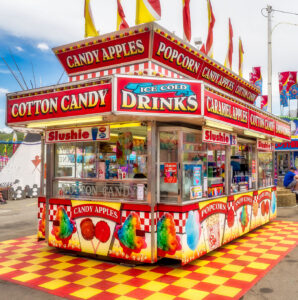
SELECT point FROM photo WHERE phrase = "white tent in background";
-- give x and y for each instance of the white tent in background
(22, 172)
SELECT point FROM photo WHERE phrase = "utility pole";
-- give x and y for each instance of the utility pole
(269, 11)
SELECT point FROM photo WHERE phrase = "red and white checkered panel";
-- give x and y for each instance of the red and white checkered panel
(53, 210)
(148, 68)
(41, 205)
(156, 69)
(179, 219)
(145, 219)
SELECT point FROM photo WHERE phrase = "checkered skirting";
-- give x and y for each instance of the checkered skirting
(179, 219)
(53, 210)
(145, 219)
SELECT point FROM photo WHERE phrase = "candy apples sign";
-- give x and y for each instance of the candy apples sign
(103, 53)
(62, 102)
(217, 137)
(83, 134)
(144, 95)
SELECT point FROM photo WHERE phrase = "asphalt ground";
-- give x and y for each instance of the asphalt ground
(19, 218)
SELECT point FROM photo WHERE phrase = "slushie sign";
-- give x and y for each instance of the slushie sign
(83, 134)
(217, 137)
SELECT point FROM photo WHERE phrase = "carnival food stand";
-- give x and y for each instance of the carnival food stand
(152, 149)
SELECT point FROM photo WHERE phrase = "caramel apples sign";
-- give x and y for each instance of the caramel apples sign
(140, 95)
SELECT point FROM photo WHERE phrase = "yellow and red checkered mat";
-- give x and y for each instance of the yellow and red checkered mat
(226, 273)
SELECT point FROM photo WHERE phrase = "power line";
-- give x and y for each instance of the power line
(18, 69)
(12, 72)
(286, 12)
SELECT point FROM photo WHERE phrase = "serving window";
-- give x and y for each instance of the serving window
(182, 165)
(243, 167)
(265, 160)
(111, 169)
(216, 157)
(194, 163)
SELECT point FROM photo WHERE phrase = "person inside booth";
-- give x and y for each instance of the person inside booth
(291, 180)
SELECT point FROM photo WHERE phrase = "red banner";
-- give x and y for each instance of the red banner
(282, 130)
(106, 53)
(265, 195)
(93, 99)
(219, 108)
(222, 109)
(136, 45)
(174, 56)
(243, 200)
(217, 78)
(212, 208)
(158, 96)
(261, 123)
(96, 210)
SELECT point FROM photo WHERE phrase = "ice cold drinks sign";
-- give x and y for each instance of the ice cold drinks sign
(139, 95)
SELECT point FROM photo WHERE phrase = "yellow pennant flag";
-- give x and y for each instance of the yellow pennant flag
(90, 29)
(147, 11)
(241, 52)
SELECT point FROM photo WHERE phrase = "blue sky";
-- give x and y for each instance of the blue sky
(30, 28)
(26, 53)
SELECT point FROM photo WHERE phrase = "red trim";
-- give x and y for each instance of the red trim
(217, 185)
(231, 198)
(41, 199)
(60, 201)
(273, 188)
(136, 207)
(177, 208)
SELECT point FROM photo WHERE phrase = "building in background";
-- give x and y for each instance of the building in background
(286, 154)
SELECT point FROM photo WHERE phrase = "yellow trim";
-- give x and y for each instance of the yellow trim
(126, 125)
(254, 134)
(219, 125)
(65, 122)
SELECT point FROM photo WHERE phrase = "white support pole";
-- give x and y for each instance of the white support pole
(269, 11)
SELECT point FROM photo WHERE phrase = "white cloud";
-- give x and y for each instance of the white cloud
(4, 71)
(43, 46)
(3, 91)
(20, 49)
(6, 130)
